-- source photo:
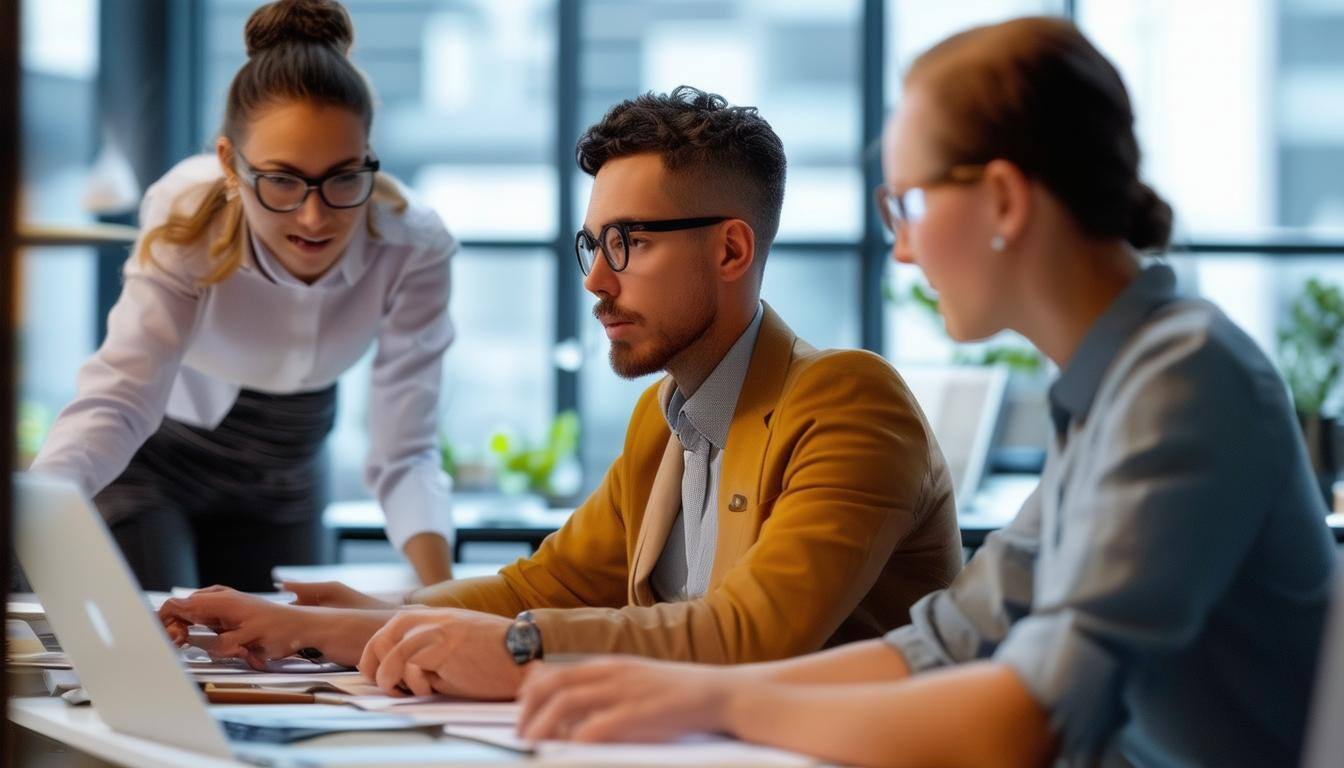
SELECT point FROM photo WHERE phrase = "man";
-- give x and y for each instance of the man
(771, 499)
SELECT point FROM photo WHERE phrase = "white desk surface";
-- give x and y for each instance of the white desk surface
(378, 579)
(470, 510)
(82, 729)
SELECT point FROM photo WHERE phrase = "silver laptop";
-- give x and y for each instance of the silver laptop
(123, 656)
(962, 406)
(127, 664)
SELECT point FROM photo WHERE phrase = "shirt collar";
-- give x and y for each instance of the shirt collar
(709, 412)
(1072, 394)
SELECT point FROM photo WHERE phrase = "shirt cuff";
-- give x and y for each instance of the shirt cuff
(1071, 676)
(922, 642)
(420, 502)
(919, 654)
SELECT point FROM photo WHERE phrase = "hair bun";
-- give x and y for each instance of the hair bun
(323, 22)
(1149, 219)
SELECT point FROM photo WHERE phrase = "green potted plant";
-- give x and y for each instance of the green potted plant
(523, 467)
(1311, 355)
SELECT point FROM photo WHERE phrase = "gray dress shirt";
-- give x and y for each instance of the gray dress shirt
(1162, 593)
(701, 424)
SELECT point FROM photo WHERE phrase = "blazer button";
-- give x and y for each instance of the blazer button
(738, 503)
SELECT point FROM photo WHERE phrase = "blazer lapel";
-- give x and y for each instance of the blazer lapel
(661, 511)
(748, 437)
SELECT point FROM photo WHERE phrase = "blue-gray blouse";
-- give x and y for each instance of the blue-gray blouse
(1162, 593)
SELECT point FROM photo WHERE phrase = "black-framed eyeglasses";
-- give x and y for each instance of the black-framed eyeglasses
(898, 209)
(614, 240)
(282, 192)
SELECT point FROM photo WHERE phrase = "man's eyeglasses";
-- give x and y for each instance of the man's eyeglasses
(282, 192)
(898, 209)
(614, 240)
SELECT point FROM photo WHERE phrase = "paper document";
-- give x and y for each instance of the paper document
(693, 750)
(462, 712)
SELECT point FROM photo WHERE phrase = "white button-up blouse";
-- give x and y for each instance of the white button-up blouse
(183, 349)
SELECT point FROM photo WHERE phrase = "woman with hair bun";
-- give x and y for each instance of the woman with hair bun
(1159, 599)
(262, 273)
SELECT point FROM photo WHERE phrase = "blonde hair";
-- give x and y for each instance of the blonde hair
(297, 50)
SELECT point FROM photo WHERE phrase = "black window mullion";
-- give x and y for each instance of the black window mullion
(566, 136)
(873, 247)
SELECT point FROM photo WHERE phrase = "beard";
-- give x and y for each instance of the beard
(666, 344)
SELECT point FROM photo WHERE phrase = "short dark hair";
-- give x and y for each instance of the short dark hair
(716, 148)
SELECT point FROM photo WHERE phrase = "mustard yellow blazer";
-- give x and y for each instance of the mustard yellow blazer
(835, 514)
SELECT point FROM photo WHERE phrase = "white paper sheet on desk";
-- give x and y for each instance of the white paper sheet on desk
(461, 712)
(697, 750)
(435, 755)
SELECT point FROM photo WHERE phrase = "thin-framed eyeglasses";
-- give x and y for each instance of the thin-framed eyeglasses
(282, 191)
(900, 208)
(614, 239)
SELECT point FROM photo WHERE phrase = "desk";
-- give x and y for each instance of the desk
(81, 729)
(386, 581)
(477, 517)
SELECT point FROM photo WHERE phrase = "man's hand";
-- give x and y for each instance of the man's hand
(445, 650)
(250, 628)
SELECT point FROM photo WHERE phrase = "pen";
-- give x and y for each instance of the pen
(231, 695)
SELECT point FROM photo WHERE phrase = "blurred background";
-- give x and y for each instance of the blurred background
(1240, 107)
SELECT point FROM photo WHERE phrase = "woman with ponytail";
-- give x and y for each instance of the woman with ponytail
(1159, 599)
(262, 273)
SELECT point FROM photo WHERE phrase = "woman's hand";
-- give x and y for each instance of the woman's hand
(621, 699)
(332, 594)
(443, 650)
(250, 628)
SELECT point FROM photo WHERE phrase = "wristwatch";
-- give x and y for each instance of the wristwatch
(523, 639)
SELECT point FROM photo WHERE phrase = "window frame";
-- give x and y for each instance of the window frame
(180, 36)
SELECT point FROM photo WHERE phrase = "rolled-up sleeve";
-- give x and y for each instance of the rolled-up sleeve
(967, 620)
(404, 468)
(1162, 512)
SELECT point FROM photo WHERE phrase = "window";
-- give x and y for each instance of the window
(1238, 118)
(56, 308)
(465, 100)
(466, 115)
(799, 64)
(480, 102)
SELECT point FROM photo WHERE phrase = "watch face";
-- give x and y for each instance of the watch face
(523, 641)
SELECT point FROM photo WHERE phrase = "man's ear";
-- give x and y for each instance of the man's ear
(1011, 195)
(739, 250)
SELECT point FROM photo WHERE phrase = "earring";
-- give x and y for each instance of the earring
(997, 244)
